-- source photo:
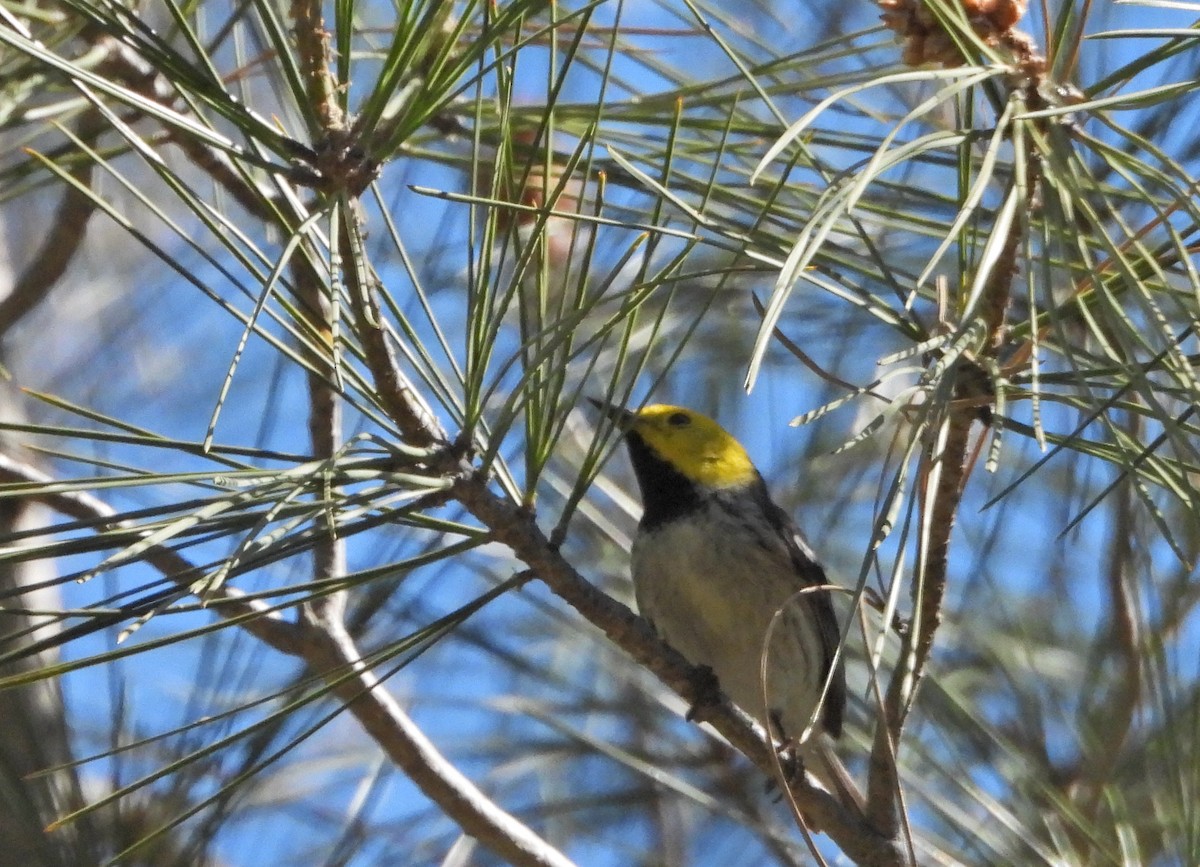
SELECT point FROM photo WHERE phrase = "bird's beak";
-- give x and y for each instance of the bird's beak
(619, 416)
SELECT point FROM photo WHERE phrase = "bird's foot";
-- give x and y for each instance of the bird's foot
(790, 762)
(706, 691)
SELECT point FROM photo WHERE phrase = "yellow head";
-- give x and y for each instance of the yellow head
(692, 443)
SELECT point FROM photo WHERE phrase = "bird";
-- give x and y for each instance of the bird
(714, 559)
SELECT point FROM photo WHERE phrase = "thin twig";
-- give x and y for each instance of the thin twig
(399, 400)
(63, 240)
(1121, 703)
(945, 467)
(883, 779)
(324, 433)
(312, 42)
(811, 363)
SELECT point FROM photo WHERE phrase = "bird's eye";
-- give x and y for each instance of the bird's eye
(679, 419)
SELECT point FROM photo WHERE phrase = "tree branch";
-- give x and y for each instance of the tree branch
(324, 434)
(945, 467)
(312, 40)
(399, 400)
(329, 650)
(61, 243)
(517, 528)
(254, 615)
(332, 652)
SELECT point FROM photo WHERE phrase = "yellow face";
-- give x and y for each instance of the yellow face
(694, 444)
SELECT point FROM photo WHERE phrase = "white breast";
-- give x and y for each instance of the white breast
(713, 600)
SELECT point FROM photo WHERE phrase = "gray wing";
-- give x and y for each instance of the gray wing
(820, 606)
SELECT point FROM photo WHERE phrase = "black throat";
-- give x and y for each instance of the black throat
(667, 494)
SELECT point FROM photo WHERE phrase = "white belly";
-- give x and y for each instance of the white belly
(714, 601)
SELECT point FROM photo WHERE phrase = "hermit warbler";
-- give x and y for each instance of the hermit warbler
(713, 561)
